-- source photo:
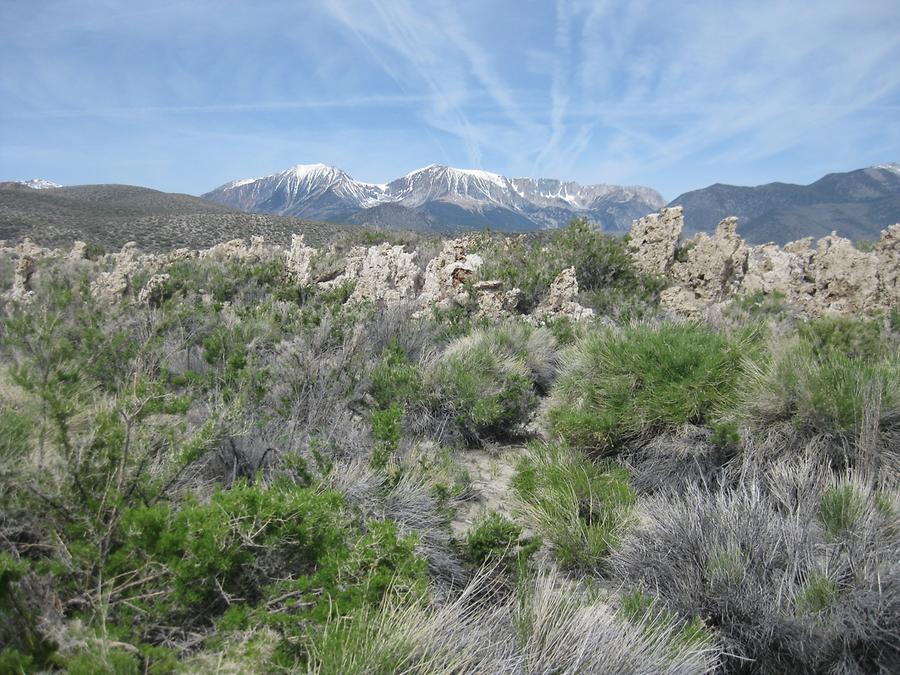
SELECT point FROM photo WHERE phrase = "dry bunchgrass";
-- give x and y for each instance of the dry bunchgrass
(552, 626)
(796, 572)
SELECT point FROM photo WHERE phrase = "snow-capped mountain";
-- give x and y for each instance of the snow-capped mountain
(39, 183)
(437, 197)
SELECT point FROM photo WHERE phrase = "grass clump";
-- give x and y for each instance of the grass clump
(495, 540)
(553, 625)
(615, 387)
(644, 610)
(578, 507)
(487, 382)
(837, 379)
(839, 509)
(862, 339)
(817, 594)
(822, 391)
(748, 563)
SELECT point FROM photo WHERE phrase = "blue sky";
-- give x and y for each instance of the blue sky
(183, 96)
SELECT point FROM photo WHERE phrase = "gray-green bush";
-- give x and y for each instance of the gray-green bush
(488, 382)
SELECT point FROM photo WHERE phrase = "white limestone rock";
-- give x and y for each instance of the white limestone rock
(494, 302)
(299, 260)
(151, 293)
(654, 238)
(446, 274)
(385, 275)
(562, 300)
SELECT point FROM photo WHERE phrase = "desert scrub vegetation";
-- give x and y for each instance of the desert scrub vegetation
(836, 387)
(488, 382)
(246, 474)
(551, 625)
(621, 385)
(607, 277)
(791, 581)
(578, 506)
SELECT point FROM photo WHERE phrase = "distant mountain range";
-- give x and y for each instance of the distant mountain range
(857, 204)
(438, 198)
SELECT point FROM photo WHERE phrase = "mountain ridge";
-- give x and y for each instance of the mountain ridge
(856, 204)
(111, 215)
(438, 197)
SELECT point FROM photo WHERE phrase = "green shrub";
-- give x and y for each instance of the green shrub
(484, 388)
(854, 338)
(20, 632)
(209, 553)
(114, 662)
(387, 430)
(615, 387)
(14, 662)
(281, 556)
(577, 506)
(395, 379)
(496, 540)
(605, 270)
(821, 393)
(15, 432)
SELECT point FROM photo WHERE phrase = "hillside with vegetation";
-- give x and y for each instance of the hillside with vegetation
(109, 216)
(429, 456)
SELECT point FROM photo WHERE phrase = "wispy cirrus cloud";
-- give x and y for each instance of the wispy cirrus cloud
(671, 94)
(261, 106)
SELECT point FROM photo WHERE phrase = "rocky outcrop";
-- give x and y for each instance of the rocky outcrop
(298, 261)
(887, 250)
(494, 302)
(21, 287)
(446, 275)
(176, 256)
(385, 274)
(238, 250)
(27, 248)
(714, 266)
(562, 301)
(771, 269)
(113, 285)
(79, 251)
(152, 292)
(829, 276)
(832, 277)
(654, 238)
(711, 270)
(846, 279)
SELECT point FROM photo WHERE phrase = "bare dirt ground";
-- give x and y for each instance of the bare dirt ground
(491, 472)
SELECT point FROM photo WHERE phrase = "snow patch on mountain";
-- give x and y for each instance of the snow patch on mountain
(39, 184)
(326, 192)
